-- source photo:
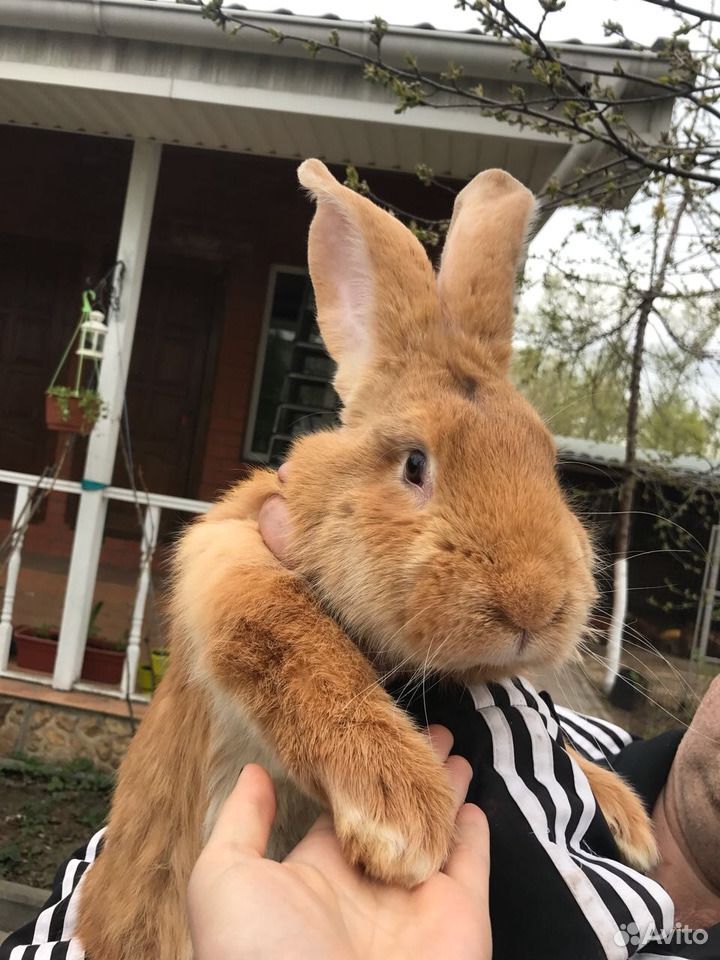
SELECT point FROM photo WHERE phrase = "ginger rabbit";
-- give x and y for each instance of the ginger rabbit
(430, 532)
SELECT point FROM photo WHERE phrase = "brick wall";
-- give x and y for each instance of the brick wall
(242, 213)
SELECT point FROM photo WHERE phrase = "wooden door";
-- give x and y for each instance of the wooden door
(170, 382)
(40, 289)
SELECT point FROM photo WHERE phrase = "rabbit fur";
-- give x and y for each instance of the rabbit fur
(478, 572)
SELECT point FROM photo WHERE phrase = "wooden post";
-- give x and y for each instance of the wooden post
(22, 505)
(151, 528)
(100, 460)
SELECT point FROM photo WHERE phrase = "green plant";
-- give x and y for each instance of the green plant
(10, 854)
(94, 614)
(89, 401)
(77, 774)
(634, 678)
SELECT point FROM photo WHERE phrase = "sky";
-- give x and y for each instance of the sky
(581, 19)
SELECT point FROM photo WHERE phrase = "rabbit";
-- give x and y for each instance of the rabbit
(429, 530)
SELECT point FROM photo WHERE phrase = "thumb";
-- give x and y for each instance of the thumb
(247, 815)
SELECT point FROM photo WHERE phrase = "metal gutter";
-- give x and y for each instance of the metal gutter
(164, 22)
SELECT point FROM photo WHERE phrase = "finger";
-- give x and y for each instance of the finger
(469, 863)
(274, 523)
(283, 472)
(441, 740)
(247, 815)
(459, 773)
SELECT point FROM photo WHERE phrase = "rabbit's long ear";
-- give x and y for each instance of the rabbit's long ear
(485, 241)
(374, 285)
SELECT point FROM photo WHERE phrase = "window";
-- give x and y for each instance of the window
(293, 389)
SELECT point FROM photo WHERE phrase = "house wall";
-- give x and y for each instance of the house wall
(220, 222)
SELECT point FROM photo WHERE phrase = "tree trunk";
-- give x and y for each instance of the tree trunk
(627, 491)
(627, 495)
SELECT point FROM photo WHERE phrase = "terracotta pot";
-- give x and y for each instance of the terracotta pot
(103, 666)
(38, 653)
(74, 422)
(34, 653)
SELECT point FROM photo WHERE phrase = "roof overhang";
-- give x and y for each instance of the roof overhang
(147, 69)
(672, 470)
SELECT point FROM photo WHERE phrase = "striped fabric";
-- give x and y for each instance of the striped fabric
(596, 739)
(558, 889)
(51, 935)
(611, 895)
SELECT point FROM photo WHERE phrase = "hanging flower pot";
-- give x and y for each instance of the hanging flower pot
(75, 409)
(70, 411)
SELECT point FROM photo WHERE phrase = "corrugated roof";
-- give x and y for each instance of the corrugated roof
(622, 45)
(613, 455)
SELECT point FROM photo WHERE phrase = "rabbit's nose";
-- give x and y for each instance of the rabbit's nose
(528, 619)
(530, 607)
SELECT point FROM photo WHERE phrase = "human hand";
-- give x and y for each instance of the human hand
(314, 906)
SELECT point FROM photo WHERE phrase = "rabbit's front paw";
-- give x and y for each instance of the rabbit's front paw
(397, 819)
(625, 815)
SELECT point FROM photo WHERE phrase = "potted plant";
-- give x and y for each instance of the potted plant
(72, 411)
(145, 678)
(159, 659)
(75, 409)
(629, 689)
(36, 649)
(104, 658)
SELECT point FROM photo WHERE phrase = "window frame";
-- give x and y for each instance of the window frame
(250, 455)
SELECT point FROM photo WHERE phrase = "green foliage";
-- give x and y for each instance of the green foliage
(575, 400)
(77, 774)
(588, 400)
(353, 181)
(47, 809)
(10, 853)
(89, 401)
(94, 614)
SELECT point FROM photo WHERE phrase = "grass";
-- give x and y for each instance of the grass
(46, 812)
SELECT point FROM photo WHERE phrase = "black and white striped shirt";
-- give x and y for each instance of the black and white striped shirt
(557, 889)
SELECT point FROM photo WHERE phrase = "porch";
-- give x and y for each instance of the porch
(136, 132)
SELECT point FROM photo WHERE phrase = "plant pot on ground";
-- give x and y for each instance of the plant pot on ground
(629, 689)
(159, 660)
(36, 649)
(71, 411)
(145, 678)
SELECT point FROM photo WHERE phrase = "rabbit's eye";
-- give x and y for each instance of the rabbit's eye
(415, 467)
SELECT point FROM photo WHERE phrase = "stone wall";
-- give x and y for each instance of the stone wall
(52, 732)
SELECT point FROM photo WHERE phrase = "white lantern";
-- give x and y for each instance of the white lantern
(92, 335)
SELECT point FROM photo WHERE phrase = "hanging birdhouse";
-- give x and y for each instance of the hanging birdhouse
(92, 335)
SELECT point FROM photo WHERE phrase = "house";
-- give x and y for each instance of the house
(674, 548)
(135, 132)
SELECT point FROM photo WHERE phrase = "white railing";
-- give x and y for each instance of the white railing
(151, 505)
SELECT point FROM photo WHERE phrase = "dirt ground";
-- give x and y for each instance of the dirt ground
(46, 812)
(671, 687)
